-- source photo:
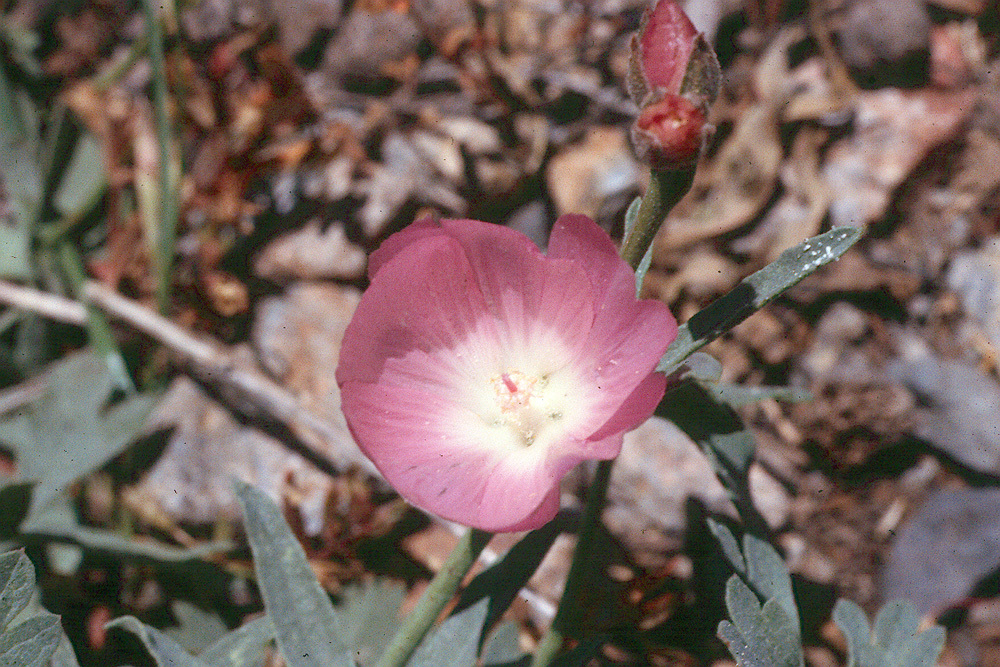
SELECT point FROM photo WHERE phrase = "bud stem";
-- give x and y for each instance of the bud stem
(666, 188)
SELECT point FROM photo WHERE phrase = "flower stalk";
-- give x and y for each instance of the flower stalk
(665, 189)
(441, 589)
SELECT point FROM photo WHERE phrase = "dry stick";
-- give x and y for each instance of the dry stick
(45, 304)
(214, 363)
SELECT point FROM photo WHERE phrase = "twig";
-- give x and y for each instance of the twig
(22, 394)
(213, 362)
(154, 325)
(48, 305)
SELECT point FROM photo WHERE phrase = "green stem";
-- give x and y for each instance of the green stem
(665, 189)
(581, 571)
(168, 197)
(437, 595)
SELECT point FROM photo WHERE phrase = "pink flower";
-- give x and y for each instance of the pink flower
(477, 371)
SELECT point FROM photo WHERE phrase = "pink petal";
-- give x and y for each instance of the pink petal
(628, 337)
(466, 277)
(421, 229)
(635, 410)
(419, 299)
(667, 40)
(438, 457)
(579, 239)
(522, 288)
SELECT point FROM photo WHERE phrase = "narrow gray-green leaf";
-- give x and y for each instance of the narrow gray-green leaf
(11, 122)
(163, 648)
(369, 617)
(756, 291)
(730, 547)
(15, 252)
(304, 620)
(17, 581)
(243, 647)
(455, 642)
(503, 646)
(631, 214)
(59, 522)
(737, 395)
(721, 435)
(84, 179)
(196, 630)
(769, 575)
(31, 643)
(503, 580)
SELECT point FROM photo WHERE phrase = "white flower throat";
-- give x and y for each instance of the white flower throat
(523, 404)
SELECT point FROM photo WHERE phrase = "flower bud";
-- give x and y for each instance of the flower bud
(673, 77)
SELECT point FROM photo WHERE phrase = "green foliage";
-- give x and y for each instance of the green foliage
(631, 215)
(26, 639)
(502, 647)
(501, 582)
(736, 395)
(72, 429)
(756, 291)
(369, 616)
(307, 628)
(68, 433)
(311, 631)
(243, 647)
(455, 642)
(764, 628)
(722, 437)
(895, 641)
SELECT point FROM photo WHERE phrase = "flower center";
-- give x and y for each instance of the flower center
(522, 403)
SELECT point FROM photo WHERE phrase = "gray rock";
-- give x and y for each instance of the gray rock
(367, 41)
(951, 543)
(962, 404)
(311, 253)
(975, 276)
(886, 43)
(191, 481)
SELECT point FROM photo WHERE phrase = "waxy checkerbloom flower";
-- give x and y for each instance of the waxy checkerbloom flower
(477, 371)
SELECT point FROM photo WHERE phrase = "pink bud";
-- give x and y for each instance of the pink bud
(664, 43)
(669, 132)
(673, 77)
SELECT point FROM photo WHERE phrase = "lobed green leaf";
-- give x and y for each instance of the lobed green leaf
(17, 582)
(895, 640)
